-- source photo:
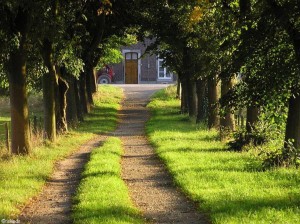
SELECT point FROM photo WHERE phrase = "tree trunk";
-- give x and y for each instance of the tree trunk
(20, 133)
(252, 118)
(71, 112)
(227, 122)
(192, 97)
(293, 122)
(188, 83)
(184, 95)
(252, 111)
(90, 84)
(61, 114)
(213, 110)
(91, 61)
(84, 102)
(200, 87)
(49, 83)
(78, 100)
(93, 81)
(178, 90)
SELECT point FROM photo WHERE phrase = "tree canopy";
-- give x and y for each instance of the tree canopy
(251, 47)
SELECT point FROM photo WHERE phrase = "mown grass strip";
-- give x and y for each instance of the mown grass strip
(231, 187)
(22, 177)
(102, 196)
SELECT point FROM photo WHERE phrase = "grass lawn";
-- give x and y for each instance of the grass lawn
(102, 196)
(22, 177)
(229, 186)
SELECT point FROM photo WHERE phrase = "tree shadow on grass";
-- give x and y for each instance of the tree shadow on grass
(100, 173)
(191, 150)
(267, 206)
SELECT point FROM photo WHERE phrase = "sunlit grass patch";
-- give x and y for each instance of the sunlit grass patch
(231, 187)
(102, 196)
(22, 177)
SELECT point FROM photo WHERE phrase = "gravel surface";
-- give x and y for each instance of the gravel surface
(53, 205)
(150, 186)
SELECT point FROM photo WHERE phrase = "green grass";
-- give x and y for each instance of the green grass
(230, 187)
(22, 177)
(102, 196)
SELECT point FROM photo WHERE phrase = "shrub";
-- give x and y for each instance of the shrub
(286, 156)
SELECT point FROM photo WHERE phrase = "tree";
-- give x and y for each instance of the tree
(58, 54)
(227, 122)
(286, 14)
(15, 27)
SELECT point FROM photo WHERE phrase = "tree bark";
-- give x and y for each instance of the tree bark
(184, 95)
(200, 88)
(178, 90)
(93, 81)
(192, 97)
(71, 112)
(252, 111)
(84, 102)
(61, 114)
(78, 100)
(227, 122)
(90, 84)
(213, 110)
(293, 122)
(187, 78)
(49, 83)
(20, 133)
(89, 87)
(252, 118)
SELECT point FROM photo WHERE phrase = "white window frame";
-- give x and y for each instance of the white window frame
(159, 60)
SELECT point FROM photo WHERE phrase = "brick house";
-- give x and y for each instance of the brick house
(139, 68)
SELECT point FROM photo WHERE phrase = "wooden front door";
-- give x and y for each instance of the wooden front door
(131, 68)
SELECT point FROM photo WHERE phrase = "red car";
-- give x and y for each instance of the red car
(105, 75)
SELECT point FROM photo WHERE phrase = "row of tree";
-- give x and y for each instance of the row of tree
(211, 43)
(54, 46)
(205, 42)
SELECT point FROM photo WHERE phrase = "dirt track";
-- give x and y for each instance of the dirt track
(149, 184)
(54, 204)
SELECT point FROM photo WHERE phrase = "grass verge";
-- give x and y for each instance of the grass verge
(231, 187)
(102, 196)
(22, 177)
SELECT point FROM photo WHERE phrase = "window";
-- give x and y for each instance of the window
(163, 72)
(131, 56)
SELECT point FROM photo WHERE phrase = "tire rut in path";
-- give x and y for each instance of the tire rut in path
(54, 203)
(150, 186)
